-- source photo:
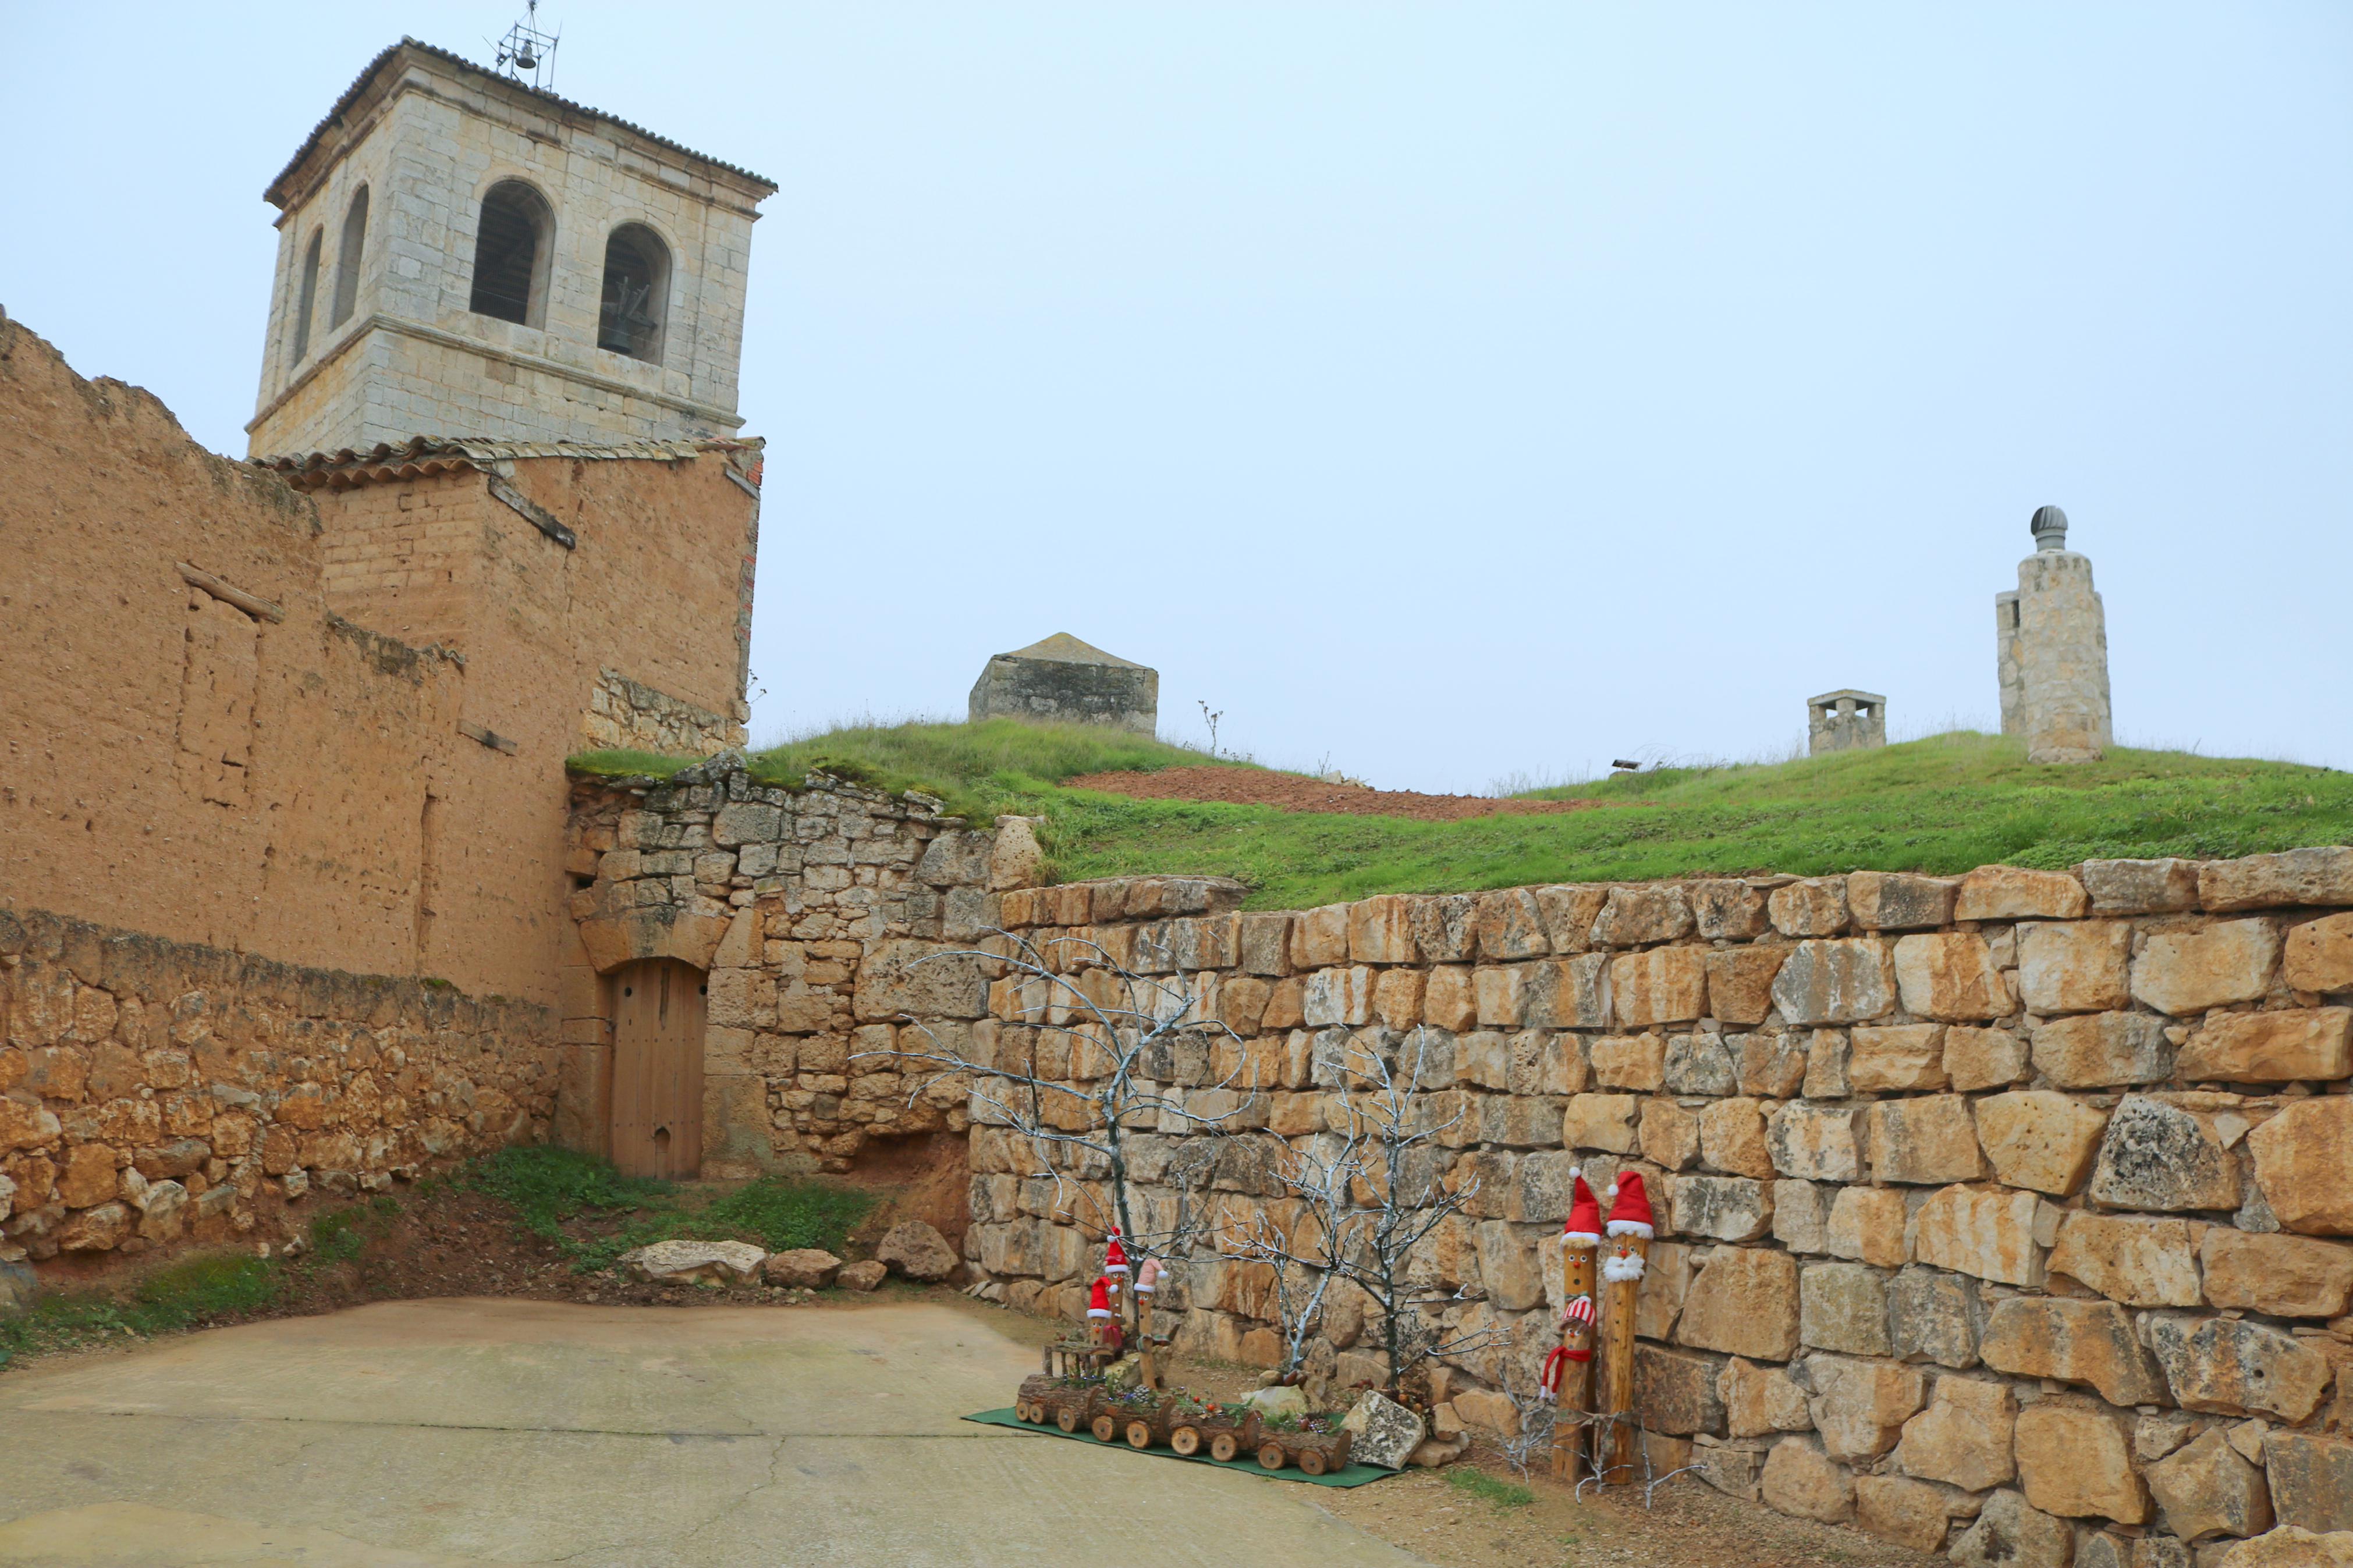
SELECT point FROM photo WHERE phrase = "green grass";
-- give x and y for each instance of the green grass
(193, 1290)
(980, 770)
(551, 1190)
(624, 764)
(555, 1194)
(1941, 805)
(1488, 1489)
(1945, 805)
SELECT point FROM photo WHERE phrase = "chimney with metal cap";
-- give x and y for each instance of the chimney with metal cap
(2052, 651)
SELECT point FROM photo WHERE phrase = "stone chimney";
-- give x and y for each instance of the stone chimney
(2051, 651)
(1847, 720)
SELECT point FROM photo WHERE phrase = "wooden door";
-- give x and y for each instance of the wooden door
(658, 1069)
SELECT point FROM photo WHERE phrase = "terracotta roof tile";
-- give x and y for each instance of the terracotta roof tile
(352, 93)
(421, 456)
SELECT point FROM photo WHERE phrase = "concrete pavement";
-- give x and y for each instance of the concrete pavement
(454, 1433)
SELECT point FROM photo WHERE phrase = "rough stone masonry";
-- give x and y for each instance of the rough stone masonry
(2003, 1216)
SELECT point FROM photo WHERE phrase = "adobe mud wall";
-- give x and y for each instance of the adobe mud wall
(153, 1091)
(330, 727)
(227, 761)
(2001, 1214)
(210, 756)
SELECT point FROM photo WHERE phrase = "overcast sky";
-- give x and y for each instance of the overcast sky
(1450, 391)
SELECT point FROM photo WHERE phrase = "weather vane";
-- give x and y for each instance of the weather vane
(526, 54)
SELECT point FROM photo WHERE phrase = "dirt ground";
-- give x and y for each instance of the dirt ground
(1292, 792)
(451, 1241)
(1689, 1523)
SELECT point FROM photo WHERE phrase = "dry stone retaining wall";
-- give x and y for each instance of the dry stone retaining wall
(813, 911)
(152, 1092)
(2003, 1216)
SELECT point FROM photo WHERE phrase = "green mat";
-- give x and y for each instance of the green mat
(1348, 1476)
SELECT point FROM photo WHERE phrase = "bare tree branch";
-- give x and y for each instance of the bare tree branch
(1078, 1117)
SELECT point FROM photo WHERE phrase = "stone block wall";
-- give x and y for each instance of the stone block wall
(625, 714)
(153, 1091)
(2003, 1216)
(814, 911)
(425, 134)
(1997, 1208)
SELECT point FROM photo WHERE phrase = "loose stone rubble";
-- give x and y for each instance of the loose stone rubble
(694, 1262)
(1386, 1433)
(917, 1250)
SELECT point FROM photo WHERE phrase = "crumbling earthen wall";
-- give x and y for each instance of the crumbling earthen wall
(2000, 1214)
(212, 753)
(152, 1092)
(186, 763)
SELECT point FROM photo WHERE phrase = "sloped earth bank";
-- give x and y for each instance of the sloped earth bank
(1294, 792)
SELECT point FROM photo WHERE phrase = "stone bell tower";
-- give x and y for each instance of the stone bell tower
(464, 254)
(2051, 651)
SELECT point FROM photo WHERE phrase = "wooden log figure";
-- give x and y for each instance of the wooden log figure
(1569, 1371)
(1103, 1314)
(1148, 1287)
(1624, 1258)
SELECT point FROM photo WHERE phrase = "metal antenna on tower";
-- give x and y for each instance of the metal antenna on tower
(526, 54)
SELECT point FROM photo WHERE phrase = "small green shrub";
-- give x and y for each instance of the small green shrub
(781, 1214)
(548, 1187)
(625, 764)
(1488, 1489)
(193, 1290)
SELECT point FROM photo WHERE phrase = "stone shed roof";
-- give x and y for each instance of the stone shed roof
(420, 456)
(1064, 648)
(278, 187)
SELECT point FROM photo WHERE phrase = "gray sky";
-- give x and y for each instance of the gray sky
(1447, 390)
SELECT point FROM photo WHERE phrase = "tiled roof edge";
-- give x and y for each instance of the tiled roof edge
(350, 95)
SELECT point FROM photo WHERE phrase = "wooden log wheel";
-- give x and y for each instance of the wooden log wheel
(1317, 1453)
(1225, 1435)
(1069, 1409)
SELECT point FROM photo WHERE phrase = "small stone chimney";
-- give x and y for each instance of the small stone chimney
(1847, 720)
(1061, 681)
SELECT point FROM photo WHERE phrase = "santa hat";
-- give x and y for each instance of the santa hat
(1629, 1212)
(1584, 1227)
(1114, 1255)
(1580, 1311)
(1630, 1216)
(1099, 1299)
(1147, 1276)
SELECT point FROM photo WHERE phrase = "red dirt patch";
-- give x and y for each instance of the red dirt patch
(1292, 791)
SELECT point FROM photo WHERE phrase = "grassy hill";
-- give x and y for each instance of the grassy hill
(1942, 804)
